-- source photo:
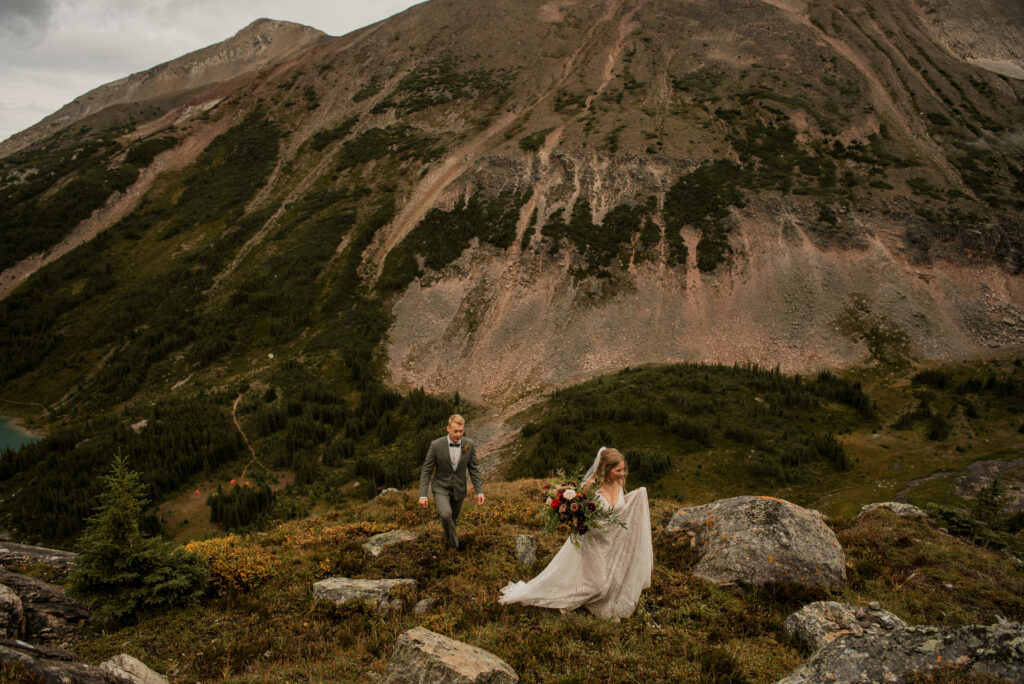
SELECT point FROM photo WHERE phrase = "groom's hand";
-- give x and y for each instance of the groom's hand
(423, 501)
(480, 498)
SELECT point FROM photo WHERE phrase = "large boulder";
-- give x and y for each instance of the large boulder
(50, 616)
(426, 657)
(898, 507)
(338, 590)
(33, 663)
(996, 651)
(760, 539)
(822, 622)
(132, 669)
(12, 614)
(378, 542)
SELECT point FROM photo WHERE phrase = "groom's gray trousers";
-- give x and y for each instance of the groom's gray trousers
(448, 507)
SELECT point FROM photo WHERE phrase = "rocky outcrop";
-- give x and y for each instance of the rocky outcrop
(377, 592)
(822, 622)
(997, 651)
(50, 616)
(427, 657)
(376, 544)
(760, 539)
(20, 554)
(526, 550)
(897, 507)
(51, 664)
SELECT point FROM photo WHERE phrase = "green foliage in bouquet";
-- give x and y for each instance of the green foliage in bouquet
(573, 509)
(121, 572)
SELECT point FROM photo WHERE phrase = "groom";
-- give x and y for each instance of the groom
(448, 459)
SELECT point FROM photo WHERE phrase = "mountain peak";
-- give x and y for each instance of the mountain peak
(171, 84)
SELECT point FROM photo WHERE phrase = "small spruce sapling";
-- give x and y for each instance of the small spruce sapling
(121, 572)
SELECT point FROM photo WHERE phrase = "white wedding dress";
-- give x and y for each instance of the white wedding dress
(605, 573)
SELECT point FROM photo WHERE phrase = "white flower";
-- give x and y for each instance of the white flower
(548, 502)
(569, 494)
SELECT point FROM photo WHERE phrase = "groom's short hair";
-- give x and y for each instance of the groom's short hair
(456, 419)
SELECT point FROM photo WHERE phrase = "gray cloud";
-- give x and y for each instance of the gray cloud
(18, 17)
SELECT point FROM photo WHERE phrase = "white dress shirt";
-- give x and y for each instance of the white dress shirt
(455, 452)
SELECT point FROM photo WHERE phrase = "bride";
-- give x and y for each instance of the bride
(611, 566)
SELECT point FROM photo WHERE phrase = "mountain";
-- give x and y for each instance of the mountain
(490, 200)
(168, 86)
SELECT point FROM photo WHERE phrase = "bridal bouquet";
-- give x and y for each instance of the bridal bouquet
(568, 507)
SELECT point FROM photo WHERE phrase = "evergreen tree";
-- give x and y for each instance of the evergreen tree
(120, 571)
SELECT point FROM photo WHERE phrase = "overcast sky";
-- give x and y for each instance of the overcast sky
(52, 51)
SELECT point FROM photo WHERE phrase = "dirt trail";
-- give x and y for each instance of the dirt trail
(238, 426)
(880, 95)
(117, 207)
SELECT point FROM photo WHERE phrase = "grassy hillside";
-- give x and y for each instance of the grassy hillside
(260, 622)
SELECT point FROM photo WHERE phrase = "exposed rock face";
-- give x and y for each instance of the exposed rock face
(52, 664)
(526, 550)
(23, 553)
(996, 651)
(378, 542)
(757, 539)
(12, 614)
(50, 616)
(819, 624)
(258, 45)
(427, 657)
(897, 507)
(338, 590)
(132, 669)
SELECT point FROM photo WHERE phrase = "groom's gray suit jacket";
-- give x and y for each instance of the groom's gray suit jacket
(446, 480)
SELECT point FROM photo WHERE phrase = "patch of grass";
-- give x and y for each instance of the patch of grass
(441, 81)
(399, 140)
(533, 141)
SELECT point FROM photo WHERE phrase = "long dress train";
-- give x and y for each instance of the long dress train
(606, 572)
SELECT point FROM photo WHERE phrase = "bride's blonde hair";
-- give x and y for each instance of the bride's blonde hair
(610, 458)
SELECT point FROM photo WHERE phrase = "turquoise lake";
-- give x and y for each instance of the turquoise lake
(10, 437)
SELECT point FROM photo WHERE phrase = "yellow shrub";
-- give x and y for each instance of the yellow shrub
(234, 566)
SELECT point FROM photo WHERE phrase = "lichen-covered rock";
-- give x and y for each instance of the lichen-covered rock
(132, 669)
(997, 651)
(378, 542)
(760, 539)
(338, 590)
(12, 614)
(526, 550)
(897, 507)
(426, 657)
(820, 623)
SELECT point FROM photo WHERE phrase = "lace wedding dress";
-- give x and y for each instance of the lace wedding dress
(605, 573)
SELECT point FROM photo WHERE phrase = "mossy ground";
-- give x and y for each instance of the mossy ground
(260, 622)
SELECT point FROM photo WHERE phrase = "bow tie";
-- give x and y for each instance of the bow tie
(452, 445)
